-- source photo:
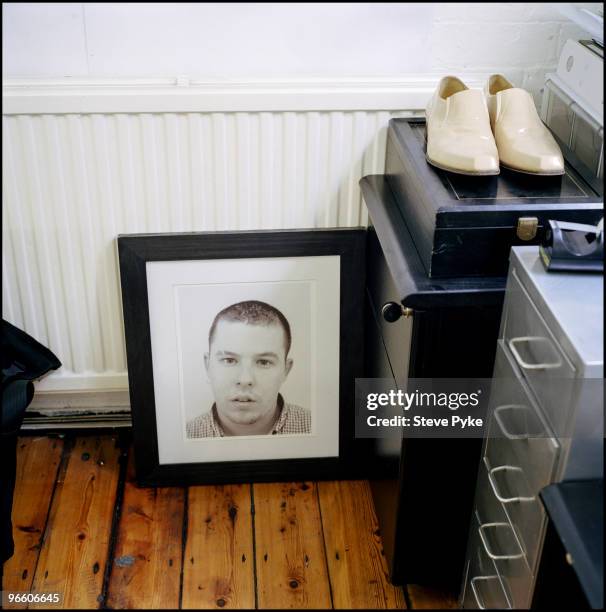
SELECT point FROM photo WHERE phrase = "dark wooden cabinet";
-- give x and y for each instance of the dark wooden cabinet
(423, 488)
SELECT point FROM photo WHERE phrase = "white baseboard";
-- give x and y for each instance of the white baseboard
(78, 409)
(67, 382)
(68, 402)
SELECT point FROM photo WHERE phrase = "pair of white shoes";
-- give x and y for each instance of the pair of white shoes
(473, 132)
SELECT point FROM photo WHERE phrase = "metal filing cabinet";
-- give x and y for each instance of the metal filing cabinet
(545, 424)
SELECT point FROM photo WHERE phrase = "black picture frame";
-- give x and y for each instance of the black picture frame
(136, 250)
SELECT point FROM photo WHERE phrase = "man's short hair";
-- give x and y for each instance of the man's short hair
(252, 312)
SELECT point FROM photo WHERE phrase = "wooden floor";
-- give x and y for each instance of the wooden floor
(84, 529)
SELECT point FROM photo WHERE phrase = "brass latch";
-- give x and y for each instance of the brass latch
(527, 228)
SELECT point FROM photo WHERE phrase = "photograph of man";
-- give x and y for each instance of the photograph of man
(247, 362)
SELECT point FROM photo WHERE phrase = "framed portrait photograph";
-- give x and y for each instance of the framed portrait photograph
(243, 349)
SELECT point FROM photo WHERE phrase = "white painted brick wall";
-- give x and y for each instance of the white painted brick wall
(257, 40)
(523, 41)
(473, 46)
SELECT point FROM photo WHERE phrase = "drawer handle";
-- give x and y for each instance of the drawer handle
(476, 595)
(489, 552)
(533, 366)
(495, 490)
(503, 428)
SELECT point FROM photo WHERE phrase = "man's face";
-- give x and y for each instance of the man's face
(246, 366)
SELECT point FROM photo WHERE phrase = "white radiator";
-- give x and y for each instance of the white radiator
(74, 180)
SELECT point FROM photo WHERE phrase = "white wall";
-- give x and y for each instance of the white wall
(235, 41)
(218, 41)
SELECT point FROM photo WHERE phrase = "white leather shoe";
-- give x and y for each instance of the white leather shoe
(459, 138)
(524, 142)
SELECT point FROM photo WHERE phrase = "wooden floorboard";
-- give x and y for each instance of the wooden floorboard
(38, 460)
(291, 560)
(277, 545)
(76, 544)
(357, 565)
(218, 565)
(146, 564)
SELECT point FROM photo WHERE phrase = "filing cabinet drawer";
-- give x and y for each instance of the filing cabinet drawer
(483, 587)
(499, 539)
(517, 432)
(488, 507)
(517, 581)
(539, 356)
(520, 457)
(522, 508)
(501, 543)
